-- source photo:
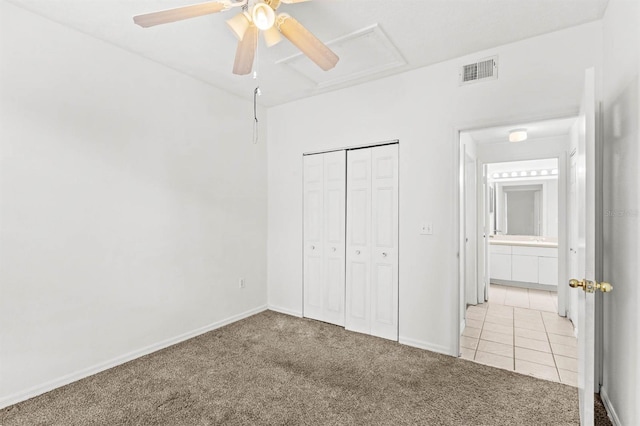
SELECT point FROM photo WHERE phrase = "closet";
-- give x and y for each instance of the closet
(351, 239)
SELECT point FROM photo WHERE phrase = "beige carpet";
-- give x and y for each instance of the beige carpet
(276, 369)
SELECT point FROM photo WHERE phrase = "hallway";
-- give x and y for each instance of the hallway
(520, 330)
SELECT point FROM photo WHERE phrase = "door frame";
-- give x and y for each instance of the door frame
(458, 180)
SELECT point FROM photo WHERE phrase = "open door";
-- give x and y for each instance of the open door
(586, 283)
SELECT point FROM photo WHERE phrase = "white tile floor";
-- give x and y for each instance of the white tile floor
(519, 329)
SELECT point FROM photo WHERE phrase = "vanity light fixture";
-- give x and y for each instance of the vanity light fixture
(534, 173)
(518, 135)
(544, 173)
(523, 174)
(554, 171)
(496, 175)
(514, 174)
(505, 175)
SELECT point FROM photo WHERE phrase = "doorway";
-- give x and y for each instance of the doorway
(512, 217)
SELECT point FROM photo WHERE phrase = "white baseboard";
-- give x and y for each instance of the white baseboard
(285, 311)
(611, 412)
(463, 324)
(425, 345)
(89, 371)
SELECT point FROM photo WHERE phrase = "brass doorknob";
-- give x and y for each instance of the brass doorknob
(590, 286)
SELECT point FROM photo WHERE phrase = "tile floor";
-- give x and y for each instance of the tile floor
(519, 329)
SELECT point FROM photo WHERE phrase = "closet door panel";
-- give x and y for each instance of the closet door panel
(384, 253)
(334, 237)
(358, 246)
(313, 252)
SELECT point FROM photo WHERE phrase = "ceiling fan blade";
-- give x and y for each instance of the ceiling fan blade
(178, 14)
(309, 44)
(246, 51)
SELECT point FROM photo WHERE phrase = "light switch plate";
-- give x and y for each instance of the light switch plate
(426, 228)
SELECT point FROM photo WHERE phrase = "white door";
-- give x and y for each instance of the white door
(334, 237)
(372, 241)
(358, 298)
(324, 224)
(487, 211)
(470, 231)
(313, 235)
(586, 184)
(384, 250)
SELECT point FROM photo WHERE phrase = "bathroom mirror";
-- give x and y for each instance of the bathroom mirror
(523, 198)
(528, 208)
(522, 210)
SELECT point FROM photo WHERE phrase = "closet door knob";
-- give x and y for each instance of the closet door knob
(357, 251)
(313, 247)
(333, 249)
(384, 254)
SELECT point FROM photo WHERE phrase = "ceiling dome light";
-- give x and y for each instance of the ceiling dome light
(554, 171)
(518, 135)
(263, 16)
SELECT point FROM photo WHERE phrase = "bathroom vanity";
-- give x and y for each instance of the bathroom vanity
(524, 262)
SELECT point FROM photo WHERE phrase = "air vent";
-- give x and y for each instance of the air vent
(485, 69)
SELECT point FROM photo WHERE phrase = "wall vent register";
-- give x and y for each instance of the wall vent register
(485, 69)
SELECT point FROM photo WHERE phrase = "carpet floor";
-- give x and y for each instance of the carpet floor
(276, 369)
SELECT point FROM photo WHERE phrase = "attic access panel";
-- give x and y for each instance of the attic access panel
(363, 53)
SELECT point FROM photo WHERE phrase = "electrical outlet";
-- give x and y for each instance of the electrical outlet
(426, 228)
(241, 283)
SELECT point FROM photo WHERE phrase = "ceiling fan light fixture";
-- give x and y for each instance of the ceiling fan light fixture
(239, 24)
(272, 36)
(309, 44)
(518, 135)
(263, 16)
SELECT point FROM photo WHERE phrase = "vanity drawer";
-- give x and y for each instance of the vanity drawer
(535, 251)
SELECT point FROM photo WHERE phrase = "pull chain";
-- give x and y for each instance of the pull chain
(256, 93)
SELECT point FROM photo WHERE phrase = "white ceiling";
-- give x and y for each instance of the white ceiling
(409, 34)
(535, 131)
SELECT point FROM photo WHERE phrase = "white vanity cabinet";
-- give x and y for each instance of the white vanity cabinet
(521, 264)
(500, 262)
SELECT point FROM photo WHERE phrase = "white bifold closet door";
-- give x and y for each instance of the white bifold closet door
(324, 236)
(372, 241)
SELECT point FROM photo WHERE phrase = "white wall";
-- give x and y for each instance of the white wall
(539, 78)
(132, 200)
(621, 227)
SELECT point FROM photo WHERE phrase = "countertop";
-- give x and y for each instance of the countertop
(523, 243)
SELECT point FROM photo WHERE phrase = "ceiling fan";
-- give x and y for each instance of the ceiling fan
(255, 16)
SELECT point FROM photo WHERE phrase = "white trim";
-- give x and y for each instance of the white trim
(89, 371)
(285, 311)
(353, 147)
(425, 345)
(611, 412)
(463, 324)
